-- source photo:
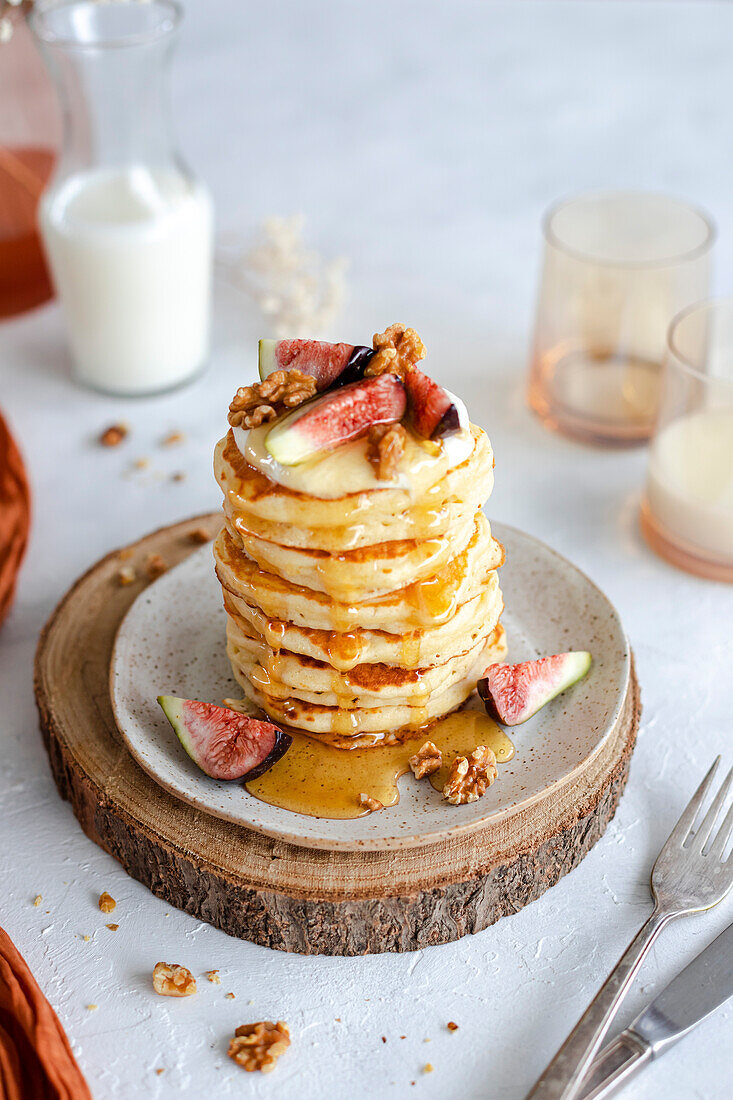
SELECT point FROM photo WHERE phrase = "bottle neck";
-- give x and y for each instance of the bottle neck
(115, 108)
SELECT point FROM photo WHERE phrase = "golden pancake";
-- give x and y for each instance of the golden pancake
(410, 649)
(286, 674)
(426, 603)
(389, 722)
(360, 608)
(367, 571)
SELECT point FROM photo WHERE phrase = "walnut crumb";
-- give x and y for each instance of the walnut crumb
(112, 927)
(213, 976)
(92, 1008)
(126, 575)
(106, 902)
(113, 435)
(426, 760)
(178, 476)
(469, 778)
(37, 900)
(86, 939)
(258, 1046)
(451, 1026)
(428, 1068)
(141, 463)
(254, 405)
(159, 1070)
(397, 350)
(173, 980)
(172, 439)
(386, 446)
(155, 566)
(199, 535)
(372, 804)
(228, 996)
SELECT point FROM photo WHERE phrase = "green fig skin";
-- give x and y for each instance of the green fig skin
(512, 694)
(223, 743)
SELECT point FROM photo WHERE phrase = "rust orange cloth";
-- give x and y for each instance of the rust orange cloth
(14, 516)
(36, 1062)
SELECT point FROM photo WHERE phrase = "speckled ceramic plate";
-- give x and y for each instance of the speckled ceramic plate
(172, 642)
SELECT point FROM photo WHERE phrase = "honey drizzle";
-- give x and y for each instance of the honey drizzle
(410, 648)
(318, 780)
(429, 602)
(344, 650)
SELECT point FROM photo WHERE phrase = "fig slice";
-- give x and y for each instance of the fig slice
(224, 743)
(333, 418)
(513, 693)
(433, 410)
(329, 364)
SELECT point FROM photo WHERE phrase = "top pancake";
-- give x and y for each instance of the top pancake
(440, 499)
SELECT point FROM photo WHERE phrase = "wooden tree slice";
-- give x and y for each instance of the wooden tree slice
(273, 893)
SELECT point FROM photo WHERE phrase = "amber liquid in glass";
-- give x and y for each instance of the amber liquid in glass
(598, 397)
(24, 277)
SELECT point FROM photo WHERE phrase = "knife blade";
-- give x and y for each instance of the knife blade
(689, 998)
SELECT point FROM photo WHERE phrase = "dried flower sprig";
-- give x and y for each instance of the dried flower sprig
(299, 292)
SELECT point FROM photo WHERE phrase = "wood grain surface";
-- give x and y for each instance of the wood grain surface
(277, 894)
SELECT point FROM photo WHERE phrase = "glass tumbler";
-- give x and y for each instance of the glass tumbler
(687, 509)
(617, 268)
(126, 225)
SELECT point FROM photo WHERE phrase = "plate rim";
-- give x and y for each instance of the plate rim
(413, 840)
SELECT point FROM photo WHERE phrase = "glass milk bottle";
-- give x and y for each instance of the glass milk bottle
(127, 228)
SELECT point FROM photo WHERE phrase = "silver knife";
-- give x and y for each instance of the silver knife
(689, 998)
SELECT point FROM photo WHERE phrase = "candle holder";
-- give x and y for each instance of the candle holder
(617, 268)
(687, 510)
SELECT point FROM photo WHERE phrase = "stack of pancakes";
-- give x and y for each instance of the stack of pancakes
(362, 617)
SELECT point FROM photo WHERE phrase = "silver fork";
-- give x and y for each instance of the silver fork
(689, 875)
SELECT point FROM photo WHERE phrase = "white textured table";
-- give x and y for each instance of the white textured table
(422, 140)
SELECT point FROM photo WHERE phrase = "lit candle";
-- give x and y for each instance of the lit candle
(687, 514)
(690, 484)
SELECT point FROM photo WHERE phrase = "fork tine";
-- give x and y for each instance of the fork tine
(682, 828)
(708, 822)
(723, 836)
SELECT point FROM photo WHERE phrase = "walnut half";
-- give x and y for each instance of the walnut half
(254, 405)
(172, 980)
(426, 760)
(470, 778)
(386, 448)
(258, 1046)
(396, 351)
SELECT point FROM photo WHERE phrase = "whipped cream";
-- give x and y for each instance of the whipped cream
(347, 469)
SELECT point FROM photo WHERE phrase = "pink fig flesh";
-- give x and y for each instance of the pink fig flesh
(513, 693)
(224, 743)
(336, 417)
(327, 363)
(432, 409)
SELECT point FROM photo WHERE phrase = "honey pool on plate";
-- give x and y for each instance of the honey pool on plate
(318, 780)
